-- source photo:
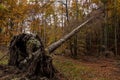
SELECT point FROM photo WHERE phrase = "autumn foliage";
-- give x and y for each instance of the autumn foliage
(52, 19)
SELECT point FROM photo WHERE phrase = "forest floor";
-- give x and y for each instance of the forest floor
(87, 68)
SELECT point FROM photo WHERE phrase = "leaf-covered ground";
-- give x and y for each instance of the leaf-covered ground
(84, 69)
(102, 69)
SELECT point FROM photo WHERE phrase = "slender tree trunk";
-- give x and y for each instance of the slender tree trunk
(67, 15)
(75, 37)
(115, 24)
(105, 26)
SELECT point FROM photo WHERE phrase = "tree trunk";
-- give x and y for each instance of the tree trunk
(115, 29)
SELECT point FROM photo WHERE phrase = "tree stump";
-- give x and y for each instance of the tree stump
(27, 53)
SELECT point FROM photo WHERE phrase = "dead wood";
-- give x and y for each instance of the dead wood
(28, 55)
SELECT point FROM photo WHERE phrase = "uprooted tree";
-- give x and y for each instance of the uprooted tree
(29, 56)
(27, 53)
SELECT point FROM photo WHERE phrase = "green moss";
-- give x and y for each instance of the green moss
(32, 42)
(4, 60)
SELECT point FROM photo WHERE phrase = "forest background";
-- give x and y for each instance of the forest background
(52, 19)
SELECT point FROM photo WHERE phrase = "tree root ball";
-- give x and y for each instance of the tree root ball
(27, 53)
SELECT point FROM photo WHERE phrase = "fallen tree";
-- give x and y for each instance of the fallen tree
(57, 44)
(28, 55)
